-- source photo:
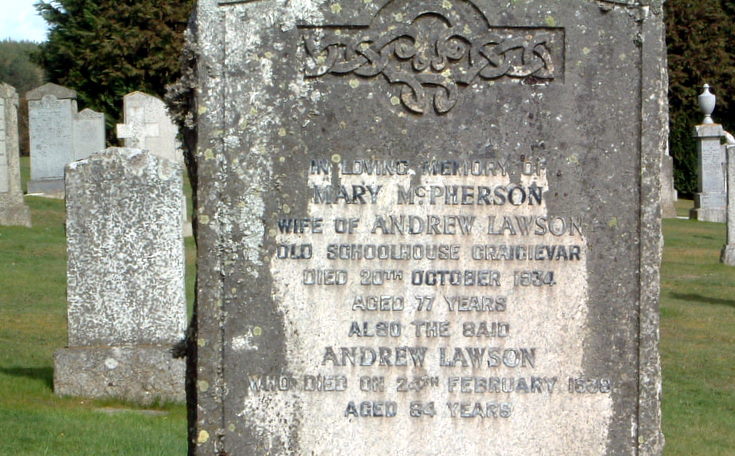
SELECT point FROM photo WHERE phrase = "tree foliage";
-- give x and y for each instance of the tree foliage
(105, 49)
(19, 70)
(700, 50)
(16, 66)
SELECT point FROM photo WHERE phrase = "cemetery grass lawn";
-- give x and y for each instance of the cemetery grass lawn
(697, 348)
(32, 325)
(697, 341)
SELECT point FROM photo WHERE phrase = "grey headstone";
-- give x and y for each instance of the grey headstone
(51, 110)
(13, 210)
(393, 133)
(710, 201)
(125, 278)
(89, 133)
(59, 135)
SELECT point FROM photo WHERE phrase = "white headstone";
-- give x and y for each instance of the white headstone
(125, 273)
(148, 126)
(13, 210)
(710, 201)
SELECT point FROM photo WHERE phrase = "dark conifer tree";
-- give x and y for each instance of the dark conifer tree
(701, 49)
(104, 49)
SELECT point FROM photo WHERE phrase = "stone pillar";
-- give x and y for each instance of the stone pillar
(13, 210)
(728, 250)
(711, 199)
(125, 270)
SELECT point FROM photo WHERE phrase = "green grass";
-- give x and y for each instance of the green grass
(697, 348)
(698, 339)
(32, 326)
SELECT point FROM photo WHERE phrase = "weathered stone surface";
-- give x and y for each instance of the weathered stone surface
(125, 273)
(428, 228)
(710, 202)
(59, 135)
(53, 90)
(669, 195)
(137, 373)
(148, 126)
(51, 110)
(660, 123)
(727, 255)
(89, 133)
(13, 210)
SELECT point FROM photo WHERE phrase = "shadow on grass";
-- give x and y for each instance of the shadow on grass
(44, 374)
(703, 299)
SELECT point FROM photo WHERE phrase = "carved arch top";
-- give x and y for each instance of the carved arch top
(430, 48)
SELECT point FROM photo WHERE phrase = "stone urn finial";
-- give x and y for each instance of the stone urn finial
(707, 103)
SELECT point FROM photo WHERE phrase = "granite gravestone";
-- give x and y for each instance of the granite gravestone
(125, 290)
(13, 210)
(59, 135)
(427, 227)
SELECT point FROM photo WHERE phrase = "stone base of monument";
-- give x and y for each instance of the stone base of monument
(140, 374)
(46, 186)
(709, 207)
(708, 214)
(15, 215)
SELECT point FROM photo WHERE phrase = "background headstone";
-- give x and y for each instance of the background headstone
(125, 291)
(13, 210)
(51, 110)
(710, 202)
(148, 126)
(59, 135)
(89, 133)
(428, 228)
(669, 195)
(727, 255)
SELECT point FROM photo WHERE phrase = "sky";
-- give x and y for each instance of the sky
(20, 21)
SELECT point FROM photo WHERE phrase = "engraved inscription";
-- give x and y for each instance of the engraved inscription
(436, 292)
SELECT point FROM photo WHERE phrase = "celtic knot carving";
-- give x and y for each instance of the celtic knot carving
(430, 55)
